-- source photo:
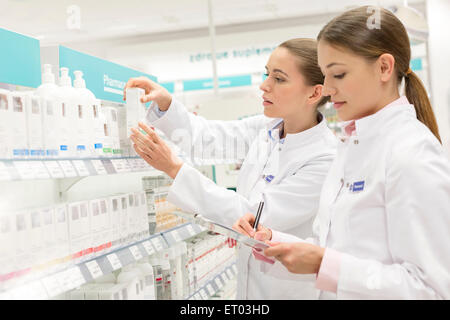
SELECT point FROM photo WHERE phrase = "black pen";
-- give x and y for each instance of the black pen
(258, 215)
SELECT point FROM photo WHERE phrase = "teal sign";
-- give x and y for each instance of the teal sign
(20, 59)
(416, 64)
(170, 86)
(105, 79)
(224, 82)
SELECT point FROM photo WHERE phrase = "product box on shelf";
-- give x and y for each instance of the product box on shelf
(24, 259)
(18, 125)
(48, 234)
(115, 215)
(36, 236)
(124, 224)
(97, 129)
(61, 230)
(50, 125)
(80, 230)
(7, 244)
(35, 136)
(111, 116)
(5, 123)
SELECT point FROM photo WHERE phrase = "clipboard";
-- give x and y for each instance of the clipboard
(226, 231)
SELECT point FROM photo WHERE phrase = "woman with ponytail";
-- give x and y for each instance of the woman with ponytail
(383, 226)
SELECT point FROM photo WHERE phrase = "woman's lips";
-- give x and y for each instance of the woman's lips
(267, 103)
(338, 105)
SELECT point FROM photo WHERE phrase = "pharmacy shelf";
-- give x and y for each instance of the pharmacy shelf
(210, 288)
(30, 169)
(73, 276)
(34, 169)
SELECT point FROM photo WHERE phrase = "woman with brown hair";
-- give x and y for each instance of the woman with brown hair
(383, 226)
(287, 153)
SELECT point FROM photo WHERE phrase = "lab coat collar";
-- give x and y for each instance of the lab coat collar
(372, 124)
(300, 138)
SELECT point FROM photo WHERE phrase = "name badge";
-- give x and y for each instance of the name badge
(268, 178)
(357, 186)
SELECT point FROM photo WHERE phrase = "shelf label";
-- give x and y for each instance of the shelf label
(191, 230)
(54, 169)
(203, 294)
(67, 167)
(229, 274)
(134, 164)
(127, 165)
(210, 289)
(94, 269)
(118, 165)
(218, 283)
(107, 164)
(81, 168)
(99, 167)
(176, 236)
(148, 247)
(157, 243)
(40, 172)
(136, 252)
(197, 296)
(114, 261)
(25, 169)
(51, 284)
(4, 172)
(75, 277)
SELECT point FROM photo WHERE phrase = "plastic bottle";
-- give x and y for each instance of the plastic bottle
(66, 96)
(50, 120)
(149, 280)
(156, 263)
(85, 128)
(99, 129)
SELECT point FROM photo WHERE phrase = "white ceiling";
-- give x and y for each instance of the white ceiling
(111, 19)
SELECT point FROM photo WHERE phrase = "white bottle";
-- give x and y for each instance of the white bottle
(107, 131)
(86, 99)
(35, 136)
(69, 122)
(111, 116)
(132, 277)
(149, 280)
(98, 126)
(50, 112)
(5, 123)
(61, 230)
(18, 125)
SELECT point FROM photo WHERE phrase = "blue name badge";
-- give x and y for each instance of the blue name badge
(269, 178)
(358, 186)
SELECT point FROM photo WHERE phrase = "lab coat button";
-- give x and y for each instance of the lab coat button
(356, 142)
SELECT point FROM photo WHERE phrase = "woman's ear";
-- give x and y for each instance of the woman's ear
(386, 66)
(316, 94)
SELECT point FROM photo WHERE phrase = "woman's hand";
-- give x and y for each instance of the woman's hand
(153, 92)
(297, 257)
(155, 151)
(244, 225)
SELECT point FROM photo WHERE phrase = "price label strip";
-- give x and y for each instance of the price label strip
(148, 247)
(203, 294)
(25, 169)
(75, 277)
(40, 171)
(94, 269)
(67, 167)
(136, 253)
(99, 167)
(52, 285)
(54, 169)
(176, 236)
(218, 283)
(118, 165)
(114, 261)
(210, 289)
(157, 243)
(81, 168)
(4, 172)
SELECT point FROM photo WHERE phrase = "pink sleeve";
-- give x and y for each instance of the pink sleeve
(328, 276)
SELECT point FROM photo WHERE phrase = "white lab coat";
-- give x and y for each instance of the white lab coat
(299, 166)
(394, 233)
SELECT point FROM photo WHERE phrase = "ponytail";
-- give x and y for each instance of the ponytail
(417, 95)
(350, 31)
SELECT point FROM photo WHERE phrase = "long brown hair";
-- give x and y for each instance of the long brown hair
(351, 30)
(306, 52)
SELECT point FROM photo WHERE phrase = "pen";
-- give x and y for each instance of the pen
(258, 215)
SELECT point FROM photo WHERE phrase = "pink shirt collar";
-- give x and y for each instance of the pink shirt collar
(350, 126)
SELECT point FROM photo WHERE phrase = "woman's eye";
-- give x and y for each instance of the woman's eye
(279, 79)
(340, 76)
(266, 74)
